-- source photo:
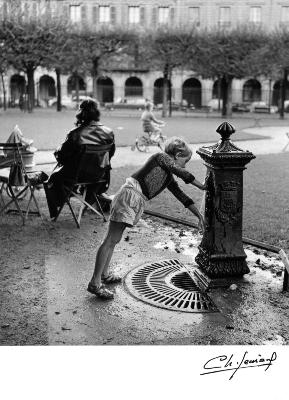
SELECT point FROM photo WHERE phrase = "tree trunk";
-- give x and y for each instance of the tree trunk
(94, 74)
(224, 95)
(58, 85)
(283, 92)
(136, 55)
(270, 94)
(170, 95)
(165, 92)
(219, 93)
(77, 88)
(4, 92)
(30, 89)
(227, 96)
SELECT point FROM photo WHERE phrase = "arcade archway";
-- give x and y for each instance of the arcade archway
(17, 88)
(133, 87)
(192, 92)
(72, 83)
(251, 91)
(159, 90)
(276, 94)
(46, 88)
(104, 89)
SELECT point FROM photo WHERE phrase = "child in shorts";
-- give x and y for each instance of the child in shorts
(129, 202)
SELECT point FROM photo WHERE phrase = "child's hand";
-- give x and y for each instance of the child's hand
(199, 184)
(201, 225)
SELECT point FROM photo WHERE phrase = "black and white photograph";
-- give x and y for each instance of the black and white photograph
(144, 198)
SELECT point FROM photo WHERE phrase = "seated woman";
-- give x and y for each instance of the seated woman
(89, 130)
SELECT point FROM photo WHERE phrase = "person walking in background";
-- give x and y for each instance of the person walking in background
(89, 130)
(129, 202)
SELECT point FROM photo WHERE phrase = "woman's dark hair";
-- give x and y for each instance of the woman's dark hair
(88, 111)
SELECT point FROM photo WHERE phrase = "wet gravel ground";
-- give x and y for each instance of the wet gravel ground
(38, 301)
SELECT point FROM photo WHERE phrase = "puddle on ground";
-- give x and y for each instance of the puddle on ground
(279, 340)
(187, 242)
(181, 241)
(265, 260)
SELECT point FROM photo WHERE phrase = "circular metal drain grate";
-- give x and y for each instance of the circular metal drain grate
(167, 284)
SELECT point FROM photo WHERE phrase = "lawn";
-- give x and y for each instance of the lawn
(266, 194)
(48, 128)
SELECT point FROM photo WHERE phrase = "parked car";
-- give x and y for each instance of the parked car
(133, 102)
(174, 104)
(262, 107)
(240, 107)
(286, 106)
(68, 102)
(215, 104)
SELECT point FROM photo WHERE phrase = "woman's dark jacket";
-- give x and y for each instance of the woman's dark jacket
(95, 133)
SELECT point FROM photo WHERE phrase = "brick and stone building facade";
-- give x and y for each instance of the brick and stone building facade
(144, 14)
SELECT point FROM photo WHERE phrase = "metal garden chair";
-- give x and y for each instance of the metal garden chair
(92, 177)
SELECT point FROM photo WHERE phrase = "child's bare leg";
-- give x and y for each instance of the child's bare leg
(105, 251)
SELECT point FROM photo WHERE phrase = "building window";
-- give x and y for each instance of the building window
(255, 15)
(285, 15)
(134, 15)
(224, 16)
(34, 10)
(163, 15)
(75, 13)
(194, 15)
(104, 14)
(94, 15)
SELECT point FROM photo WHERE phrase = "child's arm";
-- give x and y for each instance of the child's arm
(199, 184)
(168, 164)
(186, 201)
(157, 121)
(197, 213)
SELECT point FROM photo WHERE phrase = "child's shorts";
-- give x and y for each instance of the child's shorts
(128, 204)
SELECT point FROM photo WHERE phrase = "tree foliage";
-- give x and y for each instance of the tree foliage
(226, 55)
(28, 44)
(103, 46)
(165, 50)
(53, 43)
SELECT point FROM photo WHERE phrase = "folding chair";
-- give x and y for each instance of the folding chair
(92, 176)
(9, 153)
(287, 144)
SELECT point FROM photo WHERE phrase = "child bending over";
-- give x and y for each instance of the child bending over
(129, 202)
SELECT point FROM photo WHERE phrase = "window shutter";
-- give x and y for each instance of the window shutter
(172, 16)
(154, 16)
(83, 13)
(95, 15)
(113, 15)
(142, 16)
(26, 10)
(5, 11)
(34, 10)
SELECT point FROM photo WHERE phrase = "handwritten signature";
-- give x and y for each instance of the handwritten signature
(231, 363)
